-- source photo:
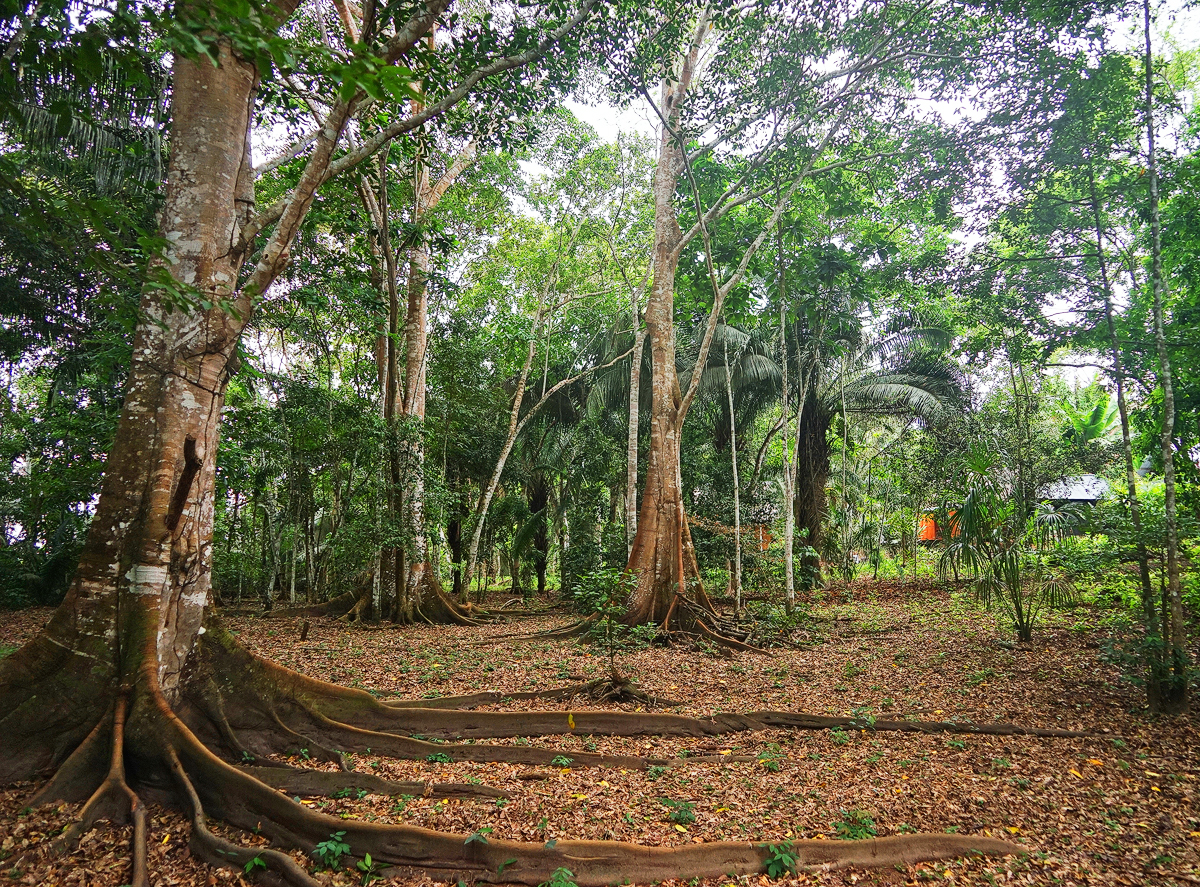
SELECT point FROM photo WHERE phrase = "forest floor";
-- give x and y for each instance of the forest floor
(1122, 807)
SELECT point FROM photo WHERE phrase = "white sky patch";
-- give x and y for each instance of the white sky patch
(609, 121)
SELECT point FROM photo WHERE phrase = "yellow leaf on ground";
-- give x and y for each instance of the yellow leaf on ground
(1013, 829)
(1095, 762)
(1075, 773)
(571, 720)
(680, 828)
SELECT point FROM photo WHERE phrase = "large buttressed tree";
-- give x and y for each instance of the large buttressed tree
(818, 89)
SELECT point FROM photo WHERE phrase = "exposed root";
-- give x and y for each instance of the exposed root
(353, 720)
(279, 868)
(334, 607)
(435, 606)
(601, 690)
(319, 783)
(113, 799)
(618, 688)
(262, 705)
(248, 803)
(81, 773)
(573, 630)
(491, 697)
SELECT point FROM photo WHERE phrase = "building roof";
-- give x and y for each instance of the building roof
(1080, 488)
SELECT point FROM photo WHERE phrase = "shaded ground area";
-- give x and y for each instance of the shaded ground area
(1120, 808)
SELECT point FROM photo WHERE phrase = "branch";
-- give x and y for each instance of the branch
(399, 127)
(294, 207)
(288, 153)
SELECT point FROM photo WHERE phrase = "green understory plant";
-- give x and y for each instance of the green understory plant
(782, 859)
(329, 853)
(1001, 547)
(855, 825)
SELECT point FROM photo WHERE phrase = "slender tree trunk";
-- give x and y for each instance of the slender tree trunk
(1175, 698)
(736, 577)
(1155, 677)
(538, 492)
(631, 439)
(422, 593)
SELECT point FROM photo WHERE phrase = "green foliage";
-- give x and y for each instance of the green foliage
(682, 812)
(781, 860)
(439, 757)
(561, 877)
(254, 864)
(370, 869)
(479, 837)
(329, 853)
(1001, 546)
(771, 758)
(604, 594)
(561, 761)
(855, 825)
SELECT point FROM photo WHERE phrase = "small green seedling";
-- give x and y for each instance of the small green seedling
(479, 837)
(256, 863)
(329, 853)
(771, 757)
(562, 877)
(856, 825)
(561, 761)
(370, 869)
(682, 812)
(781, 859)
(439, 757)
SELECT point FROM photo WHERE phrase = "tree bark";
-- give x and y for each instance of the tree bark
(631, 439)
(1174, 634)
(812, 475)
(662, 557)
(736, 577)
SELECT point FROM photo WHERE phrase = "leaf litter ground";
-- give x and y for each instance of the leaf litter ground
(1122, 807)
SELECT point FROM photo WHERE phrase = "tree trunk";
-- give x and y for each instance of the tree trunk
(1174, 633)
(137, 603)
(661, 556)
(454, 539)
(422, 593)
(812, 475)
(1156, 673)
(736, 576)
(631, 441)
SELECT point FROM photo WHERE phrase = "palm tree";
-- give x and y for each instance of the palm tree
(903, 372)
